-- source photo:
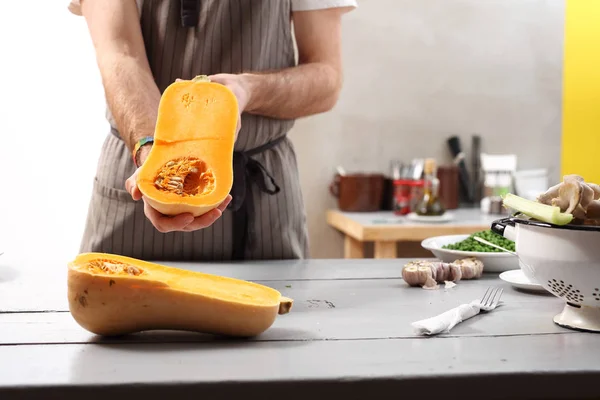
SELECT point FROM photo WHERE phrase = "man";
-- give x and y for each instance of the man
(248, 45)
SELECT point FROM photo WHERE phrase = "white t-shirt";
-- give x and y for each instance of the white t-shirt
(297, 5)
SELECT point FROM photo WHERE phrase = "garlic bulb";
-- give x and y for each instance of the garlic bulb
(428, 274)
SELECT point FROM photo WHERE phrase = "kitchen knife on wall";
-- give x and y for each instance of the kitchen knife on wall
(476, 167)
(459, 160)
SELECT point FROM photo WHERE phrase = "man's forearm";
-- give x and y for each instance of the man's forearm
(294, 92)
(130, 90)
(132, 96)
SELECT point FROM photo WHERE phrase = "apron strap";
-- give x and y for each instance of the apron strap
(190, 13)
(247, 171)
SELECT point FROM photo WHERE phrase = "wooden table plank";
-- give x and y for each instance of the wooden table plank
(330, 309)
(27, 287)
(416, 368)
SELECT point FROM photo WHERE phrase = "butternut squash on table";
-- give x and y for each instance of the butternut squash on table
(115, 295)
(190, 165)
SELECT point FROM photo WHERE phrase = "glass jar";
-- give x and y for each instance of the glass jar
(417, 190)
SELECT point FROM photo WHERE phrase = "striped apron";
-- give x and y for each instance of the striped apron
(187, 38)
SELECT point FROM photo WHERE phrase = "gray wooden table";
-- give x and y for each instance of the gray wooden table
(348, 336)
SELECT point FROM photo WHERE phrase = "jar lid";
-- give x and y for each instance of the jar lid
(402, 182)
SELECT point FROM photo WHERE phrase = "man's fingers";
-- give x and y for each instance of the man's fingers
(166, 224)
(219, 78)
(131, 187)
(184, 222)
(204, 221)
(135, 192)
(225, 203)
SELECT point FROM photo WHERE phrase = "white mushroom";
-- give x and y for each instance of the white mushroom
(593, 210)
(587, 195)
(569, 195)
(546, 197)
(573, 196)
(596, 189)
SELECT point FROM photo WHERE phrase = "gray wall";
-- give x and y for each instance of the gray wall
(417, 71)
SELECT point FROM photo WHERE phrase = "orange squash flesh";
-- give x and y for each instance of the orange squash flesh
(190, 165)
(111, 295)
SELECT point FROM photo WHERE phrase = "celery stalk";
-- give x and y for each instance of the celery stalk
(539, 211)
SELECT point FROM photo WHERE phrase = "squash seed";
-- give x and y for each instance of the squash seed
(185, 177)
(113, 267)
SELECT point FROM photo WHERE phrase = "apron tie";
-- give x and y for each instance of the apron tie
(190, 13)
(248, 171)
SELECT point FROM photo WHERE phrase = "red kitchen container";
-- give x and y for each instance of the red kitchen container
(402, 194)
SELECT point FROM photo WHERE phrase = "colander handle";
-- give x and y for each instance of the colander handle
(504, 227)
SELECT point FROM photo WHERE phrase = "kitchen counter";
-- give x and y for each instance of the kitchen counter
(347, 336)
(386, 229)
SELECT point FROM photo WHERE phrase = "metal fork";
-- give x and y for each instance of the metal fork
(491, 298)
(433, 325)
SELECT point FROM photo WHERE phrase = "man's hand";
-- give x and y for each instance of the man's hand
(240, 88)
(182, 222)
(237, 84)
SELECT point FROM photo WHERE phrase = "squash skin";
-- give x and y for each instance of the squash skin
(204, 128)
(114, 305)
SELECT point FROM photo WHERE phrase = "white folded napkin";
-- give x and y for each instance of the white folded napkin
(444, 322)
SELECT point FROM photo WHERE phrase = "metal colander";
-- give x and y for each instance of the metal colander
(569, 292)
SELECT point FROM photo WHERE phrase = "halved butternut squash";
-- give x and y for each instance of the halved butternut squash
(190, 165)
(115, 295)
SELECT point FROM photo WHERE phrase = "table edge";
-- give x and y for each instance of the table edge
(514, 385)
(395, 232)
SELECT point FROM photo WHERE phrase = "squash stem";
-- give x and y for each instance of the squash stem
(201, 78)
(285, 305)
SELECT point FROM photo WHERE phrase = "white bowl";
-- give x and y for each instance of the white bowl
(492, 262)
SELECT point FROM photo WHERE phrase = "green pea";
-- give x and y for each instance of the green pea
(471, 245)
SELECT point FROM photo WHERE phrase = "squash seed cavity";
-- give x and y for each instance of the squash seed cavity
(113, 267)
(186, 177)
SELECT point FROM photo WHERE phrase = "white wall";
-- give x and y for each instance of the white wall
(416, 71)
(52, 127)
